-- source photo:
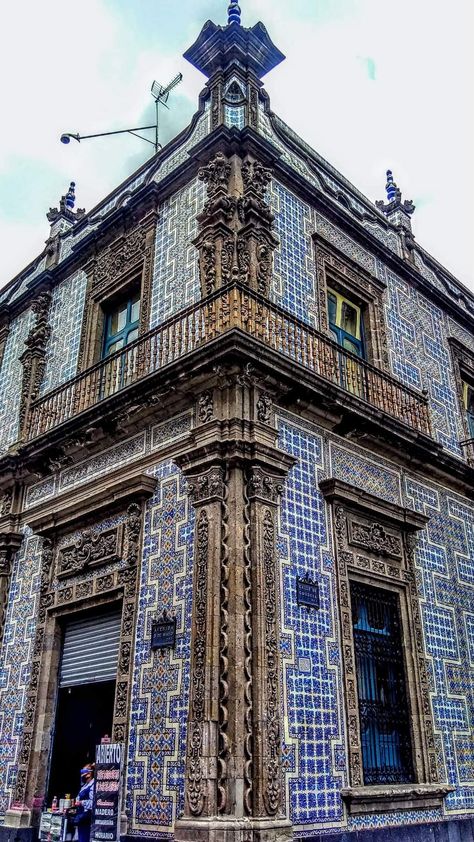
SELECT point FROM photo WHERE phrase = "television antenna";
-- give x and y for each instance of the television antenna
(160, 94)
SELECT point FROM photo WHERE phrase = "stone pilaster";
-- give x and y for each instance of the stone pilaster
(234, 786)
(10, 541)
(236, 239)
(33, 358)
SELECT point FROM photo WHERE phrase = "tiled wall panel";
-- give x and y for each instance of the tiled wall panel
(445, 558)
(10, 378)
(420, 356)
(15, 660)
(66, 321)
(314, 738)
(176, 276)
(159, 703)
(294, 277)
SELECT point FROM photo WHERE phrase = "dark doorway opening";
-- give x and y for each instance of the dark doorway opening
(84, 714)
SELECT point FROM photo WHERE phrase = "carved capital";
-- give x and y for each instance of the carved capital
(263, 485)
(206, 486)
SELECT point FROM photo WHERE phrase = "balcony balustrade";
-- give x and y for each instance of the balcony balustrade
(233, 307)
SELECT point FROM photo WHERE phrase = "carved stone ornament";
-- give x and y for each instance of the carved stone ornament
(264, 486)
(264, 408)
(216, 175)
(205, 406)
(89, 549)
(119, 256)
(375, 539)
(6, 502)
(33, 358)
(195, 783)
(272, 786)
(206, 486)
(133, 525)
(256, 177)
(223, 736)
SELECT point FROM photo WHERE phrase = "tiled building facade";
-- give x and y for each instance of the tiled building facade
(289, 413)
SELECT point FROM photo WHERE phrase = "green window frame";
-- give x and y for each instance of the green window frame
(121, 324)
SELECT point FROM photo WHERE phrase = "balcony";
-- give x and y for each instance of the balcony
(232, 308)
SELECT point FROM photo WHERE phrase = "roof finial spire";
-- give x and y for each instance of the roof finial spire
(391, 187)
(233, 12)
(71, 196)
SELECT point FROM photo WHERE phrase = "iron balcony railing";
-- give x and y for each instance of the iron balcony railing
(232, 307)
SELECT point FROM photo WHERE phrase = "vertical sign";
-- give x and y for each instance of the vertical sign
(108, 784)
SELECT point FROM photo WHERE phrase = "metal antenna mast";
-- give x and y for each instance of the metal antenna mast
(160, 94)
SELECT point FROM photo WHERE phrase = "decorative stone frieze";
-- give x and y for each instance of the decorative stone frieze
(88, 550)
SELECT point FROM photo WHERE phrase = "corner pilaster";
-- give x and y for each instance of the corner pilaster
(235, 472)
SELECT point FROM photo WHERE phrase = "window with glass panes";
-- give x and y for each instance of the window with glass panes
(121, 324)
(345, 323)
(381, 686)
(468, 398)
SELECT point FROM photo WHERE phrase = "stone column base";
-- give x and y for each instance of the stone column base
(228, 829)
(18, 816)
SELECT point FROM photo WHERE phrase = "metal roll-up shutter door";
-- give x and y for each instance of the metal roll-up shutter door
(90, 650)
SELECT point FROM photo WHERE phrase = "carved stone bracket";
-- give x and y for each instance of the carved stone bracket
(263, 485)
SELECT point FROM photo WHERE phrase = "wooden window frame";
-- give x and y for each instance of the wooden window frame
(463, 368)
(116, 267)
(338, 272)
(375, 544)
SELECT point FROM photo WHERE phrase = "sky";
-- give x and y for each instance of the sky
(370, 84)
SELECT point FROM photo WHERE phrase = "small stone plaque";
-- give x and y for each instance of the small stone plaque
(307, 592)
(163, 633)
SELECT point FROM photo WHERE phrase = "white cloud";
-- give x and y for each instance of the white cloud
(81, 67)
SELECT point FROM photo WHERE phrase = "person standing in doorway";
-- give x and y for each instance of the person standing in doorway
(84, 803)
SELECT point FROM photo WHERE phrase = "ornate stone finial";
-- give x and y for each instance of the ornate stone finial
(390, 187)
(233, 12)
(71, 196)
(399, 213)
(394, 199)
(66, 207)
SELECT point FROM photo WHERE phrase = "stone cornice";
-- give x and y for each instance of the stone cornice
(337, 490)
(415, 450)
(381, 799)
(114, 491)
